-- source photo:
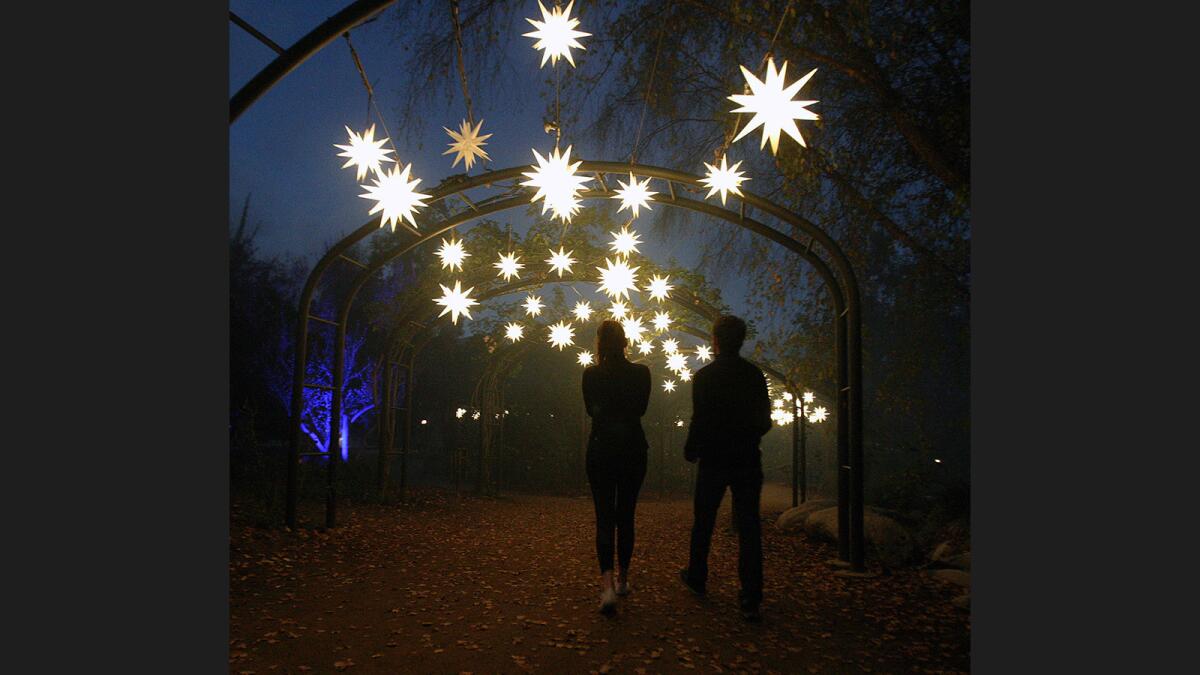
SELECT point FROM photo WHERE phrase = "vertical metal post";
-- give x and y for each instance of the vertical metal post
(385, 428)
(857, 548)
(795, 449)
(803, 454)
(843, 440)
(335, 425)
(298, 376)
(409, 382)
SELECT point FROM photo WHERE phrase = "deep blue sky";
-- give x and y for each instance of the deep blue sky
(281, 149)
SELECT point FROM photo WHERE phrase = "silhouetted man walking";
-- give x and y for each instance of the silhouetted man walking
(731, 410)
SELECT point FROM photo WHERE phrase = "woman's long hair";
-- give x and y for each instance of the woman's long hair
(610, 342)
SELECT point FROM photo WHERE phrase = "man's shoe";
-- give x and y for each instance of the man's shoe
(683, 577)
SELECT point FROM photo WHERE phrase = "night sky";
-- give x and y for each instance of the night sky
(281, 149)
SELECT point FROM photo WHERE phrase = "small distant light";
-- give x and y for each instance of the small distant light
(424, 421)
(678, 423)
(938, 461)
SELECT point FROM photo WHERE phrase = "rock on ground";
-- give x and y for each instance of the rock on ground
(958, 577)
(887, 541)
(793, 519)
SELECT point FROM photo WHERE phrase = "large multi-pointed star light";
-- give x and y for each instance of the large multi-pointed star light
(585, 358)
(452, 254)
(668, 385)
(395, 196)
(703, 353)
(818, 415)
(456, 301)
(633, 328)
(364, 152)
(533, 305)
(634, 195)
(556, 182)
(809, 397)
(556, 34)
(661, 321)
(562, 334)
(514, 331)
(659, 288)
(676, 361)
(670, 346)
(468, 144)
(560, 262)
(508, 266)
(724, 180)
(617, 278)
(619, 310)
(624, 242)
(582, 311)
(685, 375)
(645, 346)
(772, 105)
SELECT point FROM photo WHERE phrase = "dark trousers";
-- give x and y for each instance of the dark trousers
(615, 476)
(744, 479)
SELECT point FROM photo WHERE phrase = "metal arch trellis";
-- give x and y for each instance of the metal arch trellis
(842, 285)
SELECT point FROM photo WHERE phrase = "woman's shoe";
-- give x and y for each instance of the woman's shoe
(608, 601)
(623, 588)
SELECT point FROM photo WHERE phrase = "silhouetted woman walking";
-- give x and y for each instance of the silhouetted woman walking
(616, 393)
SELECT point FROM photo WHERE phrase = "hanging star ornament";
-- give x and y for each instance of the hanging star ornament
(624, 242)
(395, 196)
(661, 321)
(468, 144)
(723, 180)
(659, 288)
(562, 334)
(634, 195)
(556, 34)
(668, 385)
(670, 346)
(685, 375)
(619, 310)
(772, 105)
(617, 278)
(818, 415)
(633, 328)
(703, 353)
(508, 266)
(560, 262)
(809, 397)
(645, 347)
(676, 361)
(364, 152)
(585, 358)
(456, 301)
(514, 331)
(533, 305)
(556, 182)
(582, 311)
(452, 254)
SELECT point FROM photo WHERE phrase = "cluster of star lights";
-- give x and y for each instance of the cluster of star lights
(782, 413)
(555, 180)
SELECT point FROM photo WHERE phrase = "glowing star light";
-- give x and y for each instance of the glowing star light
(661, 321)
(685, 375)
(452, 254)
(772, 105)
(475, 415)
(625, 242)
(560, 262)
(556, 34)
(703, 353)
(633, 329)
(634, 195)
(514, 332)
(468, 144)
(668, 385)
(364, 152)
(508, 266)
(460, 412)
(819, 414)
(585, 358)
(659, 288)
(533, 305)
(582, 311)
(619, 310)
(561, 335)
(808, 397)
(617, 279)
(395, 196)
(456, 302)
(724, 180)
(676, 361)
(645, 347)
(670, 346)
(556, 182)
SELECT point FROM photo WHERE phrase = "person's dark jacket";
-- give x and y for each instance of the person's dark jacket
(731, 410)
(616, 394)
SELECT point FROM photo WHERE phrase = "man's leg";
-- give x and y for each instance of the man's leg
(746, 486)
(710, 488)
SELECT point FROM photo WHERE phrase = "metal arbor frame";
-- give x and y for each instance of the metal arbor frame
(843, 290)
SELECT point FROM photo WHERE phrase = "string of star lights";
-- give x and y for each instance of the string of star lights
(452, 254)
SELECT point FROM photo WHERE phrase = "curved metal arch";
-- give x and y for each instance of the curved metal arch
(844, 292)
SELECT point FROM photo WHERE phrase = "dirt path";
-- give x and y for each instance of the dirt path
(509, 585)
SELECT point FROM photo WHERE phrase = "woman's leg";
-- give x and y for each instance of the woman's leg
(629, 483)
(604, 489)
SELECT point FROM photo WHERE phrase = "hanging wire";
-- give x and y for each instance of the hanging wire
(371, 105)
(462, 71)
(720, 152)
(649, 84)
